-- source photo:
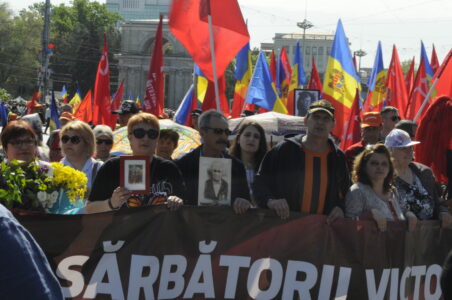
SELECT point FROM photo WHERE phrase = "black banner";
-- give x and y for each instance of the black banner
(212, 253)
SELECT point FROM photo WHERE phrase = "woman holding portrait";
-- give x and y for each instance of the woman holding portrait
(166, 184)
(372, 192)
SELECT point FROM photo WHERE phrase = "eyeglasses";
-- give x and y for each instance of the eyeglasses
(219, 131)
(74, 139)
(139, 133)
(104, 141)
(395, 118)
(19, 143)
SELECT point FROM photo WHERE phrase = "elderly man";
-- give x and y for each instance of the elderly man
(370, 134)
(216, 188)
(126, 111)
(214, 130)
(305, 173)
(390, 117)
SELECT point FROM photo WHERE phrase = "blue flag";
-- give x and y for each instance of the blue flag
(185, 107)
(54, 116)
(3, 115)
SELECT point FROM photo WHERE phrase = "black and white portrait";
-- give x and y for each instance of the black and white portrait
(303, 99)
(214, 181)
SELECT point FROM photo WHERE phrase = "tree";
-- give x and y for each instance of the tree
(77, 32)
(4, 96)
(406, 66)
(19, 50)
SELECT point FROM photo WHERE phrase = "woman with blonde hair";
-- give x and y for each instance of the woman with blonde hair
(372, 192)
(78, 146)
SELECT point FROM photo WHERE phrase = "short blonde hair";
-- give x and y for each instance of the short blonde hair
(85, 132)
(141, 118)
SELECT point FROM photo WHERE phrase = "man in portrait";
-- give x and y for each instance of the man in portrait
(216, 188)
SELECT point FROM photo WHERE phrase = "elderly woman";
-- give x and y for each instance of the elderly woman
(250, 147)
(104, 141)
(415, 182)
(78, 146)
(372, 192)
(166, 184)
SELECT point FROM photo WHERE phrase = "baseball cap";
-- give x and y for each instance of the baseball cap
(371, 119)
(67, 116)
(127, 107)
(321, 105)
(399, 138)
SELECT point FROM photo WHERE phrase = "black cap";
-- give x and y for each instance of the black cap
(127, 107)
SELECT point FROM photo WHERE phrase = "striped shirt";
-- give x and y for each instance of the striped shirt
(315, 182)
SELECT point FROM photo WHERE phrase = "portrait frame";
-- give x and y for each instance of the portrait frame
(301, 101)
(135, 173)
(214, 191)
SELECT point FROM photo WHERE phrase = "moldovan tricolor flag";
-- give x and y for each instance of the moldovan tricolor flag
(188, 23)
(155, 93)
(376, 83)
(341, 79)
(102, 112)
(262, 90)
(396, 94)
(242, 73)
(298, 78)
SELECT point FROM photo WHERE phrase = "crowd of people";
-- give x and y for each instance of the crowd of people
(376, 178)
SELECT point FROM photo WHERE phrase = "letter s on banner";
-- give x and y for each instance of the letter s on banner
(74, 277)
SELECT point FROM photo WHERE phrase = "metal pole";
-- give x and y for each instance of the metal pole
(44, 54)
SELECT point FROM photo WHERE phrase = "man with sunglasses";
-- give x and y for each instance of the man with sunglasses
(305, 173)
(126, 111)
(214, 130)
(390, 117)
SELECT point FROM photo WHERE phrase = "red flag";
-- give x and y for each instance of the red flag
(409, 78)
(314, 82)
(443, 86)
(32, 103)
(85, 109)
(209, 100)
(155, 93)
(417, 95)
(273, 66)
(396, 90)
(102, 112)
(352, 127)
(434, 63)
(189, 25)
(115, 105)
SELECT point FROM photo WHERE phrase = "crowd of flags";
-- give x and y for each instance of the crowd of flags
(209, 29)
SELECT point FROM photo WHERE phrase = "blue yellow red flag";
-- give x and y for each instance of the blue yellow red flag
(76, 100)
(341, 79)
(262, 90)
(242, 73)
(377, 81)
(298, 75)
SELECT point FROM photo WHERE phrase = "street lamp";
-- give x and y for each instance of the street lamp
(360, 53)
(304, 25)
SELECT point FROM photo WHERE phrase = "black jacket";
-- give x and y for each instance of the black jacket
(282, 171)
(189, 166)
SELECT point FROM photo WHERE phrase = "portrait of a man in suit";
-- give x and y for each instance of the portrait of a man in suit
(216, 187)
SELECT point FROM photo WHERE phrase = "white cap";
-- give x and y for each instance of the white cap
(399, 138)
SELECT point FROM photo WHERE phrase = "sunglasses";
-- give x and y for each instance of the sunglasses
(74, 139)
(219, 131)
(395, 118)
(104, 141)
(19, 143)
(139, 133)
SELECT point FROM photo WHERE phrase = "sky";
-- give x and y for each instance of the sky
(401, 22)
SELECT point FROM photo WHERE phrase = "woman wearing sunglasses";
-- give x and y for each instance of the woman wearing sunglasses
(104, 141)
(167, 185)
(78, 146)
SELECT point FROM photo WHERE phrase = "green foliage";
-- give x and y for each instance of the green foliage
(4, 95)
(406, 66)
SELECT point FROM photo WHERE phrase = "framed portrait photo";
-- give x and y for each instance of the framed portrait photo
(135, 174)
(214, 186)
(303, 99)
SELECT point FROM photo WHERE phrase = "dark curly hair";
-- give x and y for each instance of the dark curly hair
(236, 150)
(359, 166)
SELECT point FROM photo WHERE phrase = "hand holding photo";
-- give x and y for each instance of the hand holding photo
(135, 173)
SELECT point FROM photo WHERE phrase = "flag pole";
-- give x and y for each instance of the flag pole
(214, 63)
(427, 97)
